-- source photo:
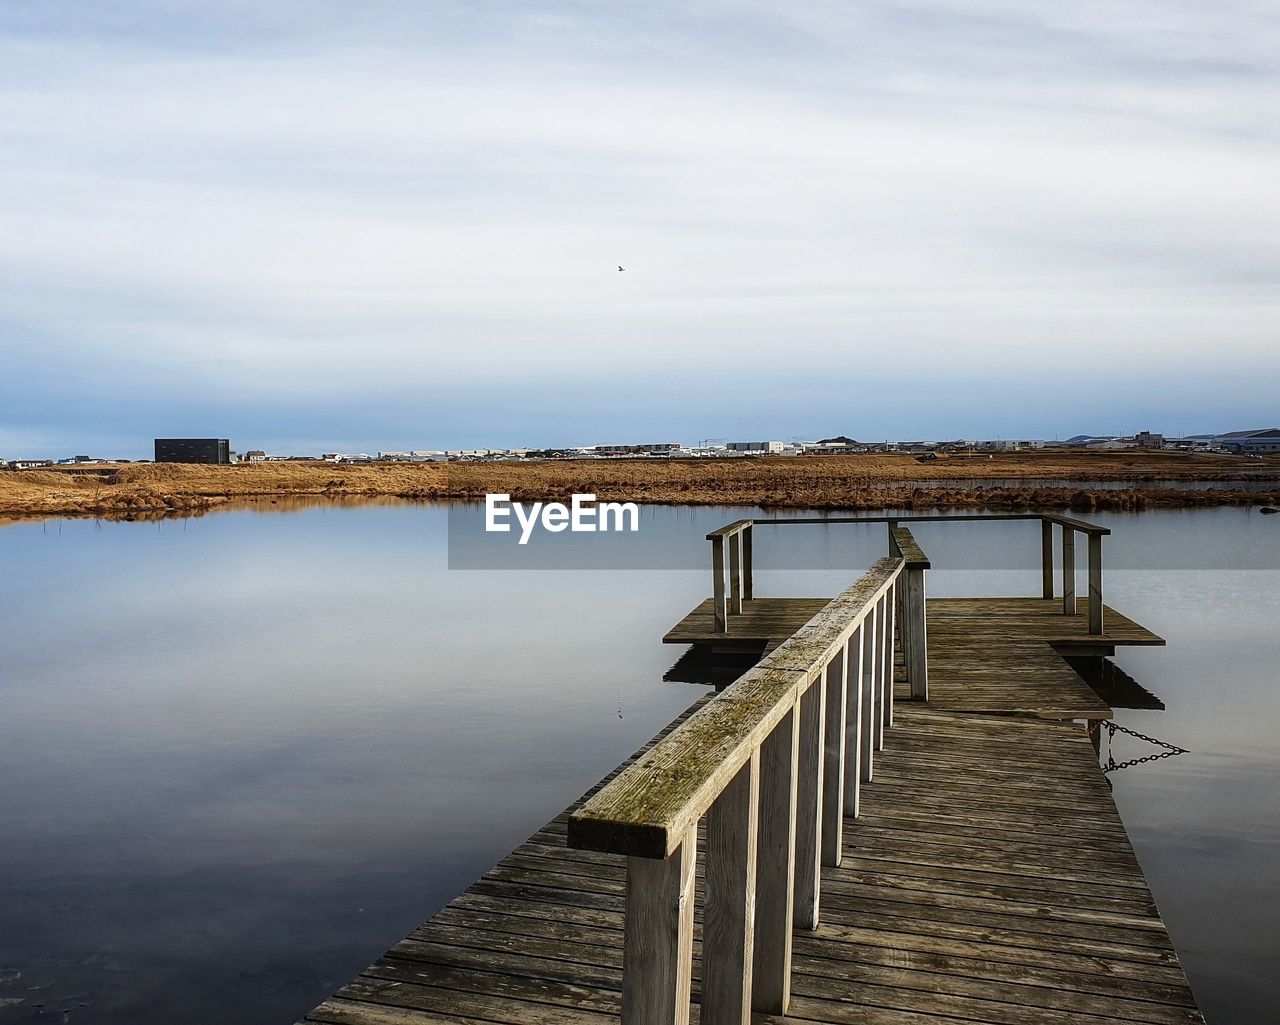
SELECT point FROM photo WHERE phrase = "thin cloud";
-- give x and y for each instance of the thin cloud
(319, 199)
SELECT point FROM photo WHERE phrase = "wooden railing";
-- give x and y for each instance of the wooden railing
(774, 763)
(736, 537)
(734, 541)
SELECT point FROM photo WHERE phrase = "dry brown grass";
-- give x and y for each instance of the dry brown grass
(834, 482)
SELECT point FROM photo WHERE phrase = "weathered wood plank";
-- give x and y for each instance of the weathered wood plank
(833, 757)
(658, 937)
(729, 902)
(775, 868)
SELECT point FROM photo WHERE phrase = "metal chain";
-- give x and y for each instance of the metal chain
(1170, 750)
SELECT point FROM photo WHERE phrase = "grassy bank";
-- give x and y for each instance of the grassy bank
(830, 482)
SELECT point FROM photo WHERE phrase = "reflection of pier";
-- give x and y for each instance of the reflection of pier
(1116, 687)
(890, 818)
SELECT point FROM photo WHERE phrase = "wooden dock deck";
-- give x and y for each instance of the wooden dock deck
(976, 869)
(995, 655)
(988, 879)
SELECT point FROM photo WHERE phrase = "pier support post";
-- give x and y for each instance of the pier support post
(882, 623)
(1046, 558)
(718, 603)
(1068, 571)
(747, 585)
(1095, 584)
(833, 764)
(809, 804)
(890, 653)
(775, 868)
(729, 899)
(657, 943)
(915, 643)
(735, 574)
(869, 628)
(854, 714)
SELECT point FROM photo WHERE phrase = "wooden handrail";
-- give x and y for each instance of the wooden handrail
(774, 762)
(648, 807)
(903, 543)
(727, 602)
(1081, 526)
(736, 527)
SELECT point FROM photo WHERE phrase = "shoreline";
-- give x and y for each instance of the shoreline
(848, 483)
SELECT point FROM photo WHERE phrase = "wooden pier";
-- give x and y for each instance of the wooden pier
(896, 817)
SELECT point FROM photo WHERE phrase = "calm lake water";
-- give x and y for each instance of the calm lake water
(241, 755)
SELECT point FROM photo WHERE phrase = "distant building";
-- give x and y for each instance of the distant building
(1146, 439)
(1251, 441)
(614, 451)
(193, 450)
(756, 448)
(255, 455)
(837, 445)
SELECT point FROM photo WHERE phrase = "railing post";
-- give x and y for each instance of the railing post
(809, 804)
(729, 899)
(1046, 558)
(890, 653)
(1095, 583)
(869, 628)
(747, 586)
(854, 714)
(717, 584)
(882, 621)
(1068, 570)
(775, 868)
(833, 772)
(735, 574)
(657, 941)
(915, 643)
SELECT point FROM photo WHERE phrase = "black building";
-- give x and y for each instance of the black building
(193, 450)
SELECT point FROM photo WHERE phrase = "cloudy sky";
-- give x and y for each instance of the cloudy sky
(328, 225)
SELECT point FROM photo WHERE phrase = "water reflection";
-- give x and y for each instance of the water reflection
(1116, 687)
(242, 754)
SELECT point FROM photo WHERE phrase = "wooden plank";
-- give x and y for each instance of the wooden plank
(870, 714)
(809, 787)
(1046, 559)
(833, 754)
(729, 900)
(775, 868)
(720, 607)
(854, 715)
(762, 620)
(1068, 572)
(914, 634)
(735, 574)
(1095, 585)
(658, 937)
